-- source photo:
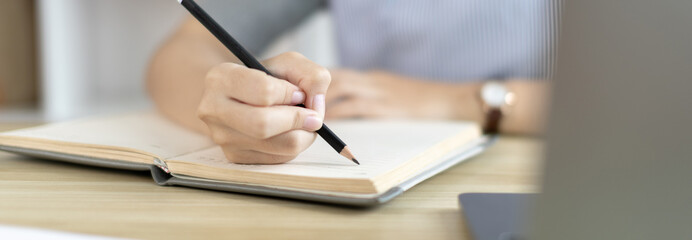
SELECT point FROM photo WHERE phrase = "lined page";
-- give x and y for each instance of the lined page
(144, 131)
(379, 146)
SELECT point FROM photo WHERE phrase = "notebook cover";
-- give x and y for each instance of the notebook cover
(164, 178)
(84, 160)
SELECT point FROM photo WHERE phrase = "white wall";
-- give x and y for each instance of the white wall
(94, 53)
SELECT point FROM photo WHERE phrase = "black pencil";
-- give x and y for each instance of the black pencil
(252, 62)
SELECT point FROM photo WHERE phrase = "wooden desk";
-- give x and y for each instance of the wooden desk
(75, 198)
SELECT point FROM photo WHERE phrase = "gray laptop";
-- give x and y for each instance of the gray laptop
(619, 144)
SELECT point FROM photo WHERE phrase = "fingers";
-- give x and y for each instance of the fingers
(312, 78)
(257, 122)
(240, 148)
(252, 86)
(250, 113)
(290, 143)
(348, 84)
(266, 138)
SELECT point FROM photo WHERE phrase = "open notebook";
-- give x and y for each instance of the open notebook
(394, 156)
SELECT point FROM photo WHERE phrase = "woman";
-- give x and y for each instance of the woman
(399, 59)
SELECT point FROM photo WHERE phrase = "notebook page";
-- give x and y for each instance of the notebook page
(379, 146)
(144, 131)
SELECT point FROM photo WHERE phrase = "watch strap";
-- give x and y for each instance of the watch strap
(492, 121)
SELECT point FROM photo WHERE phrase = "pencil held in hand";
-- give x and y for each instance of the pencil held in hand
(251, 62)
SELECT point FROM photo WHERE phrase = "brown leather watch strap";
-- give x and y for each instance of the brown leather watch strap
(492, 121)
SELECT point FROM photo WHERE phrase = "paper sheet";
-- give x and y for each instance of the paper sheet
(379, 146)
(144, 131)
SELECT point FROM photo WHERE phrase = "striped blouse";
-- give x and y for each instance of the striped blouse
(444, 40)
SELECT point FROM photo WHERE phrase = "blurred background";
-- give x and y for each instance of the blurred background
(63, 59)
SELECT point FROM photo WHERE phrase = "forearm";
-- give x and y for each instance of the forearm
(177, 71)
(461, 101)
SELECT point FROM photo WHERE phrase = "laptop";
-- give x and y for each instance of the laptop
(619, 142)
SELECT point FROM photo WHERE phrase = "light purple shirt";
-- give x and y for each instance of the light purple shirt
(444, 40)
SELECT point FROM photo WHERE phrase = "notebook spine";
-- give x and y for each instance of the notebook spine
(161, 164)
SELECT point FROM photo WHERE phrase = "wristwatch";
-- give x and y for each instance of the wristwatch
(496, 102)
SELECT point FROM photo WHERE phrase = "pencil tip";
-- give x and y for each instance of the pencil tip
(346, 152)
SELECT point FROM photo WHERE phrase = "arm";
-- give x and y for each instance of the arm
(195, 81)
(386, 95)
(177, 71)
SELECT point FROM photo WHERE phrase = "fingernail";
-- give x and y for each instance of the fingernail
(318, 103)
(312, 123)
(298, 97)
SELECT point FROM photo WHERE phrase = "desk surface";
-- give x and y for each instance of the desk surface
(68, 197)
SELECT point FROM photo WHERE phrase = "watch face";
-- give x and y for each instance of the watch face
(493, 94)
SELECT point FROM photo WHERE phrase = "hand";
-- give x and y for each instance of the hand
(251, 114)
(383, 95)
